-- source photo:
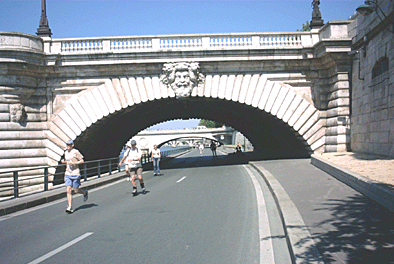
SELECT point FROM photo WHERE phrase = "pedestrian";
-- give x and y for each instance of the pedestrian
(201, 147)
(133, 165)
(213, 148)
(238, 148)
(72, 177)
(127, 149)
(156, 155)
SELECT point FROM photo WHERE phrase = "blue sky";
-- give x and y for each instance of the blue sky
(96, 18)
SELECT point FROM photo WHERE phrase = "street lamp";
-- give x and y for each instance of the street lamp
(367, 8)
(372, 5)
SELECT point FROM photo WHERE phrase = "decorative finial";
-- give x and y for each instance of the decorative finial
(44, 30)
(316, 21)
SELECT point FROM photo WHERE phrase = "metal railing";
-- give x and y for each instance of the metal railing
(42, 178)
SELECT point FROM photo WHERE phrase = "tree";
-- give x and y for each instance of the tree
(305, 27)
(210, 123)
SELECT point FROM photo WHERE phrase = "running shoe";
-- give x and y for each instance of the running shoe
(85, 197)
(69, 210)
(144, 190)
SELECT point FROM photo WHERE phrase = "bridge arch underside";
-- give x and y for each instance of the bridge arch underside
(271, 137)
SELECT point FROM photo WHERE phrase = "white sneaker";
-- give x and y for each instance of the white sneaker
(69, 210)
(128, 179)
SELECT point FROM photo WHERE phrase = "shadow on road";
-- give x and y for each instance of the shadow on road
(85, 206)
(357, 230)
(219, 160)
(205, 161)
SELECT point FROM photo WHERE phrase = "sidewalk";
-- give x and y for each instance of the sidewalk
(327, 221)
(371, 175)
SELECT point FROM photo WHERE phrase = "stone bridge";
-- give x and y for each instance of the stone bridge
(287, 92)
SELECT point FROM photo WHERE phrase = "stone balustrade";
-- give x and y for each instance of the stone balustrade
(188, 41)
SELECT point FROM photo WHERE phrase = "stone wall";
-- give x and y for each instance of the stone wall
(372, 126)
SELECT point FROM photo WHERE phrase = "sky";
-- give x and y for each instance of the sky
(99, 18)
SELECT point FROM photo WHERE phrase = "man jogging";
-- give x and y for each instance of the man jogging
(72, 176)
(134, 166)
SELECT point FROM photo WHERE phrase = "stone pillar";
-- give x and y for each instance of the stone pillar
(22, 105)
(333, 84)
(338, 111)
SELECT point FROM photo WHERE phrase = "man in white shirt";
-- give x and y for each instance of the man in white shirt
(133, 165)
(72, 176)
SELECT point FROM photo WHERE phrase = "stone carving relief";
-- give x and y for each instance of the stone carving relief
(17, 113)
(182, 77)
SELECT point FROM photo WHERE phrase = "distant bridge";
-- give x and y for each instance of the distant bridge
(148, 138)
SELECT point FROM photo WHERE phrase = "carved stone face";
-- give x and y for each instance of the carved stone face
(182, 84)
(182, 77)
(17, 113)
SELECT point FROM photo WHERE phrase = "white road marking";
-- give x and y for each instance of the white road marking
(266, 247)
(181, 179)
(53, 252)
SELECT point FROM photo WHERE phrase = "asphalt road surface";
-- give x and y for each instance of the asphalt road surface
(200, 210)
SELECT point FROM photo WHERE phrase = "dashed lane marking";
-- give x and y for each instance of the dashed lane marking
(59, 249)
(181, 179)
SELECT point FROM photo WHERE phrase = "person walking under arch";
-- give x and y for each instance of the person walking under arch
(201, 147)
(133, 165)
(72, 177)
(156, 155)
(238, 148)
(213, 148)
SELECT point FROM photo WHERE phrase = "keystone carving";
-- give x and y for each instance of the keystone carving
(182, 77)
(17, 113)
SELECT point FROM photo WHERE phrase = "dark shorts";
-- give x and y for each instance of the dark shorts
(135, 171)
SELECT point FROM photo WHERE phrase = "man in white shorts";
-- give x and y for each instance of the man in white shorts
(133, 165)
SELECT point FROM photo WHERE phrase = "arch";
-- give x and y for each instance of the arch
(121, 101)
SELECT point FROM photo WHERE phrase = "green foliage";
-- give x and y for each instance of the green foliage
(210, 123)
(305, 27)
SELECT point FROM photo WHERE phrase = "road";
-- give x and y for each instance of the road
(200, 210)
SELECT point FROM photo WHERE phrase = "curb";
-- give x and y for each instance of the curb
(374, 190)
(294, 227)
